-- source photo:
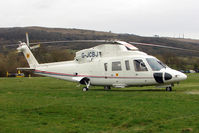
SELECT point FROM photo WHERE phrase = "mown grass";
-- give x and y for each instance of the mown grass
(46, 105)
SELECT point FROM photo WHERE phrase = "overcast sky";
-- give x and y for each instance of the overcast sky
(142, 17)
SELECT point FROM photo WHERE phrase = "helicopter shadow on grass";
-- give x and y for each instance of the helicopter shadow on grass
(133, 90)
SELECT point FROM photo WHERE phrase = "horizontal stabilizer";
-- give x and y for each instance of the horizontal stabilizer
(26, 69)
(35, 46)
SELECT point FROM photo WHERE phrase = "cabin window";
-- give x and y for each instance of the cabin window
(105, 66)
(127, 65)
(116, 66)
(139, 65)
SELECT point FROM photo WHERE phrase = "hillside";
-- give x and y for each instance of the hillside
(9, 60)
(36, 34)
(185, 40)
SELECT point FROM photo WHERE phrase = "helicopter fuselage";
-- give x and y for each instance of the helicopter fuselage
(104, 66)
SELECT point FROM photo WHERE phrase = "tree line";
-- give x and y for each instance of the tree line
(10, 61)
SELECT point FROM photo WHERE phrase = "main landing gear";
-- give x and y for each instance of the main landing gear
(169, 88)
(85, 89)
(87, 83)
(107, 88)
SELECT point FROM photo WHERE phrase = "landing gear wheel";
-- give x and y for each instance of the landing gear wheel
(87, 82)
(85, 89)
(107, 88)
(168, 88)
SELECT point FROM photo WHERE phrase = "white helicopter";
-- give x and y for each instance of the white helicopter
(110, 65)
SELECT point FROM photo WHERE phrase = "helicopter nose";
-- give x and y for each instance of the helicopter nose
(180, 76)
(174, 76)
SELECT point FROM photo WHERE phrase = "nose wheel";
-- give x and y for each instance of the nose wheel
(168, 88)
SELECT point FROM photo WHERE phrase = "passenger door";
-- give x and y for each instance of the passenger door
(142, 73)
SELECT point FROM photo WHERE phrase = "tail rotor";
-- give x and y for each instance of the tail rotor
(27, 40)
(28, 43)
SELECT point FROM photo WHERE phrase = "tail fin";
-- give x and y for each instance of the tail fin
(28, 54)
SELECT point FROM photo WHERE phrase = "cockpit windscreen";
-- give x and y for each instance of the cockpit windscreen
(155, 64)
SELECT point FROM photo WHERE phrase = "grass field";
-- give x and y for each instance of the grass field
(46, 105)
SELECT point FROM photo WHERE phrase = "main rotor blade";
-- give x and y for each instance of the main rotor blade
(162, 46)
(108, 41)
(83, 41)
(66, 41)
(11, 45)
